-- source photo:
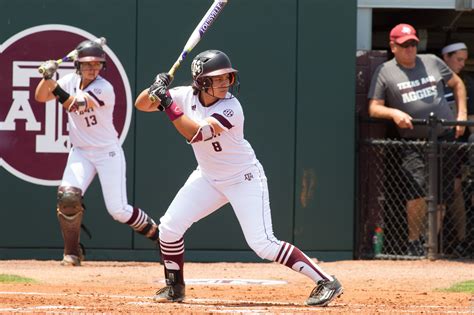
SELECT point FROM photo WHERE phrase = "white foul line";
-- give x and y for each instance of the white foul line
(252, 305)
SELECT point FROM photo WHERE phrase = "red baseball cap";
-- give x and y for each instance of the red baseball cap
(403, 32)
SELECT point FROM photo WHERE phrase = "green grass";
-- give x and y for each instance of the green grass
(466, 286)
(4, 278)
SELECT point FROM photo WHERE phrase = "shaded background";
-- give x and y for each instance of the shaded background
(296, 61)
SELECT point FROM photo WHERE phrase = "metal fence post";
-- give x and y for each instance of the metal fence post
(432, 198)
(388, 185)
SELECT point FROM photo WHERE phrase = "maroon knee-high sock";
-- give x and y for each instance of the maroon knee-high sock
(143, 224)
(173, 259)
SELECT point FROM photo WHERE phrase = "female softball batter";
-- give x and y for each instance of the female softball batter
(89, 100)
(211, 119)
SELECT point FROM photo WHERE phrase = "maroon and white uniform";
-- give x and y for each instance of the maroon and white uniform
(228, 171)
(228, 155)
(96, 148)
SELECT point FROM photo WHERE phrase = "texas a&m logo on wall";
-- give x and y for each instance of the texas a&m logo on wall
(34, 142)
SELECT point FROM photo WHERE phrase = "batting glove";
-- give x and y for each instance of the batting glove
(48, 69)
(159, 89)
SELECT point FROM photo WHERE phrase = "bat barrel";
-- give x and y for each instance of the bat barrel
(205, 23)
(102, 41)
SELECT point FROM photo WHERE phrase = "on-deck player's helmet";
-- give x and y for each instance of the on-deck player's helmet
(211, 63)
(89, 50)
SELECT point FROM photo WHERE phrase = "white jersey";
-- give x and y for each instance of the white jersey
(94, 127)
(228, 154)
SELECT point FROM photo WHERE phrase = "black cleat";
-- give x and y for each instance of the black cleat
(325, 292)
(170, 293)
(71, 260)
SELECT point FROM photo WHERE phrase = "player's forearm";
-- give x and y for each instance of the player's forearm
(47, 90)
(143, 102)
(380, 111)
(186, 127)
(43, 92)
(459, 92)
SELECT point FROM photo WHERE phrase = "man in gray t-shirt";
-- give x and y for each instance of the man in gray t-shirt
(416, 91)
(412, 86)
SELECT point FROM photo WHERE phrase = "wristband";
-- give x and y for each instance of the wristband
(166, 101)
(61, 94)
(173, 111)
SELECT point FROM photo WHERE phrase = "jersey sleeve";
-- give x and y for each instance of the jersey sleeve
(444, 70)
(229, 114)
(377, 85)
(101, 93)
(178, 94)
(67, 83)
(61, 82)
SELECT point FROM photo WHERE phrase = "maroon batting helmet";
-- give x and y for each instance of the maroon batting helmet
(87, 51)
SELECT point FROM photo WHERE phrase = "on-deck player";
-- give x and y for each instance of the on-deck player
(89, 100)
(211, 119)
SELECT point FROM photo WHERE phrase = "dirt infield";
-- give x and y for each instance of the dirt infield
(371, 287)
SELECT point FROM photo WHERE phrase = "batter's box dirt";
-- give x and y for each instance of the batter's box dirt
(397, 287)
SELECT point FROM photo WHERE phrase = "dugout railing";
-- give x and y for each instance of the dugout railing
(384, 187)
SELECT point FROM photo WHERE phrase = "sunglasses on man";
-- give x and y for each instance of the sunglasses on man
(410, 43)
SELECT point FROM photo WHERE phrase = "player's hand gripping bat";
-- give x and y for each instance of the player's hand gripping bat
(69, 57)
(205, 23)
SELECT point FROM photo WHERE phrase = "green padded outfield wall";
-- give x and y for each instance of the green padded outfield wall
(296, 61)
(325, 145)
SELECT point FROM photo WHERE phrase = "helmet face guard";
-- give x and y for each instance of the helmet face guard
(89, 51)
(205, 84)
(212, 63)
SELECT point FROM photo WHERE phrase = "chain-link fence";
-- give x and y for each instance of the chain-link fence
(416, 198)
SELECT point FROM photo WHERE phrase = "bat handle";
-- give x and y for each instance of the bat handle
(173, 69)
(42, 69)
(152, 98)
